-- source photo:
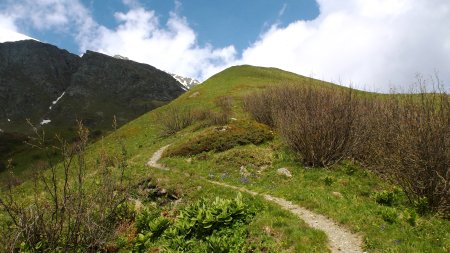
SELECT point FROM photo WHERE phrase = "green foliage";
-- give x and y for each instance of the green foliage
(422, 206)
(386, 198)
(328, 181)
(145, 218)
(218, 226)
(410, 216)
(222, 138)
(389, 215)
(249, 156)
(125, 211)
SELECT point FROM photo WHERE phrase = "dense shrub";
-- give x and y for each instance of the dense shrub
(222, 138)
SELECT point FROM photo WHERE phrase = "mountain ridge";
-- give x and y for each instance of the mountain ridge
(53, 88)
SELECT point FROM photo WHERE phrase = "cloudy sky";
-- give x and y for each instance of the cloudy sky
(370, 44)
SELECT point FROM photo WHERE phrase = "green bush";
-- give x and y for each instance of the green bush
(222, 138)
(328, 181)
(389, 215)
(204, 226)
(386, 198)
(248, 156)
(410, 216)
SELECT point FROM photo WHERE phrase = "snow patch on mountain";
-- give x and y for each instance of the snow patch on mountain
(120, 57)
(185, 81)
(45, 121)
(56, 101)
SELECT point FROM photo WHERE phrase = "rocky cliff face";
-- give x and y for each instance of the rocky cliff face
(32, 74)
(53, 87)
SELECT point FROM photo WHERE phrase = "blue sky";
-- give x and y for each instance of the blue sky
(374, 45)
(219, 23)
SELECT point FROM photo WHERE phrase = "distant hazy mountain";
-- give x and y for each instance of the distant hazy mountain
(53, 88)
(186, 81)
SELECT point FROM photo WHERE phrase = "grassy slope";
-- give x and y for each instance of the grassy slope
(356, 210)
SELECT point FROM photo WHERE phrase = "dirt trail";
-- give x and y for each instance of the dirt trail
(153, 162)
(340, 239)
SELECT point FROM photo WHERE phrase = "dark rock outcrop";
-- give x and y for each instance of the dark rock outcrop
(33, 75)
(53, 88)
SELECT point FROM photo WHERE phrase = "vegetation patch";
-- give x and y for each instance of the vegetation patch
(249, 156)
(222, 138)
(204, 226)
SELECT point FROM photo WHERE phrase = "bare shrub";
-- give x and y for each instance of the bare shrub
(412, 146)
(174, 119)
(260, 106)
(221, 117)
(319, 124)
(405, 137)
(66, 212)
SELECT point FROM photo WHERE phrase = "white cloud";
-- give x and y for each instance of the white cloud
(61, 16)
(172, 46)
(8, 30)
(9, 35)
(373, 44)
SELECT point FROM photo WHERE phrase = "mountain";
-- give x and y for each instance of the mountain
(53, 88)
(48, 85)
(187, 82)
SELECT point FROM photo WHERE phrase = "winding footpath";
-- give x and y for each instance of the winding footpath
(339, 238)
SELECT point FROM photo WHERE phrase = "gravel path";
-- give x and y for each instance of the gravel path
(339, 238)
(153, 162)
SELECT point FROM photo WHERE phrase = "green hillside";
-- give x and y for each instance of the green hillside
(247, 154)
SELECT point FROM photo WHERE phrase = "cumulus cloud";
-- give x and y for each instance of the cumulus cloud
(70, 17)
(171, 46)
(60, 15)
(374, 45)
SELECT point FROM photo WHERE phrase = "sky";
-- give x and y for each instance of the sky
(376, 45)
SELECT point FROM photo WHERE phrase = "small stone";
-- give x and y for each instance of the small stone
(244, 172)
(337, 195)
(284, 172)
